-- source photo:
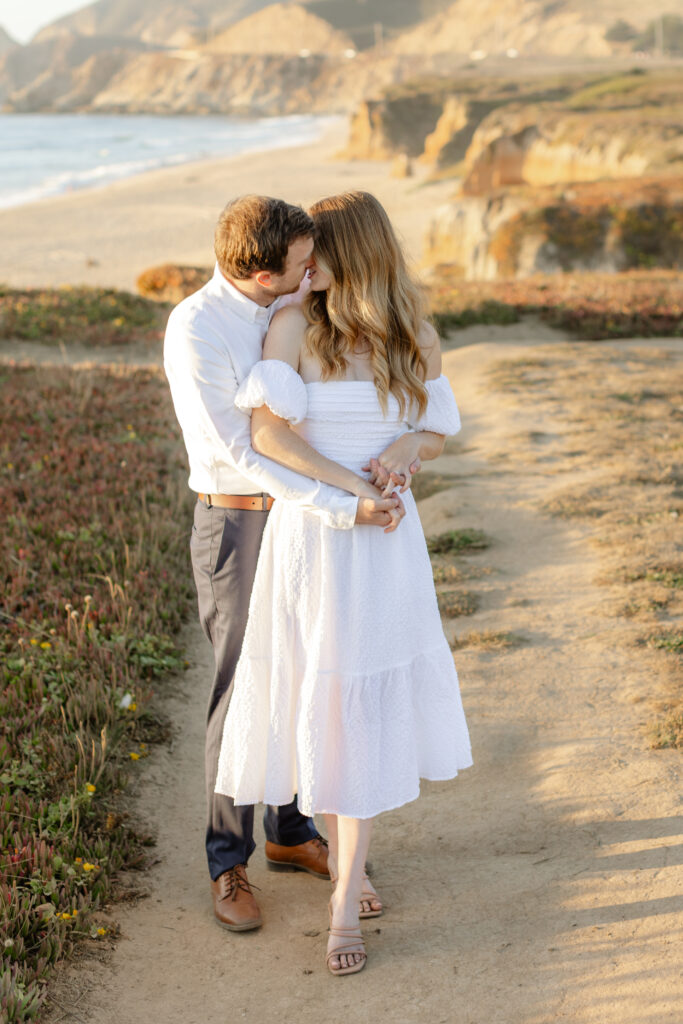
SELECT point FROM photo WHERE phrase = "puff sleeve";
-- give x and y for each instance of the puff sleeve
(276, 384)
(441, 415)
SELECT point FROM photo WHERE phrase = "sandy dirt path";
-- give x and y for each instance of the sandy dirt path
(541, 885)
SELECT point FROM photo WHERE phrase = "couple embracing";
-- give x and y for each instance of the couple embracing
(334, 689)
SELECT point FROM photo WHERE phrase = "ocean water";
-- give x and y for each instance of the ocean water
(48, 154)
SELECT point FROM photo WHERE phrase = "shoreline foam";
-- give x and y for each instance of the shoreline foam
(139, 154)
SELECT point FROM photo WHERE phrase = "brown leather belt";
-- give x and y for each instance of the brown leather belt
(250, 502)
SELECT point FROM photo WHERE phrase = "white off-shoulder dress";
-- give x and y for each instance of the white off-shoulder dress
(345, 692)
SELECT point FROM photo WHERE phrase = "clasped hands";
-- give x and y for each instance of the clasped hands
(390, 474)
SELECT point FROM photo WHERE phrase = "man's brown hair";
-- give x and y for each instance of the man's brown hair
(254, 233)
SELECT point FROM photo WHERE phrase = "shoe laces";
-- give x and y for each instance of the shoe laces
(232, 881)
(320, 841)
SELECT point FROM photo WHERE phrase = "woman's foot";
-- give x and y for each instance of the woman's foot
(370, 905)
(345, 948)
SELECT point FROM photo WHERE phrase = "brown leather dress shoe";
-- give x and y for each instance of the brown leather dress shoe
(310, 856)
(233, 901)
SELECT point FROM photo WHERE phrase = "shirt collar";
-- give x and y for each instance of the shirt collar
(241, 304)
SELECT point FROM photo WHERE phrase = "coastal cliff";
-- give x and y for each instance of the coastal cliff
(518, 232)
(522, 157)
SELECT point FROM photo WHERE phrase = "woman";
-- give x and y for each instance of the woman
(346, 692)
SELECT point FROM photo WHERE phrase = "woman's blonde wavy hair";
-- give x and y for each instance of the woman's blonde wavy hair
(372, 298)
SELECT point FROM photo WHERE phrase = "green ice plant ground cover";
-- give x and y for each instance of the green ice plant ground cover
(93, 316)
(95, 584)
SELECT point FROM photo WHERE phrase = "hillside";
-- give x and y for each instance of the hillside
(166, 22)
(156, 21)
(6, 41)
(249, 56)
(531, 27)
(285, 28)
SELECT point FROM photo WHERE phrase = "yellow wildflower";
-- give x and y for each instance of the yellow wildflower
(10, 465)
(74, 913)
(79, 860)
(133, 706)
(90, 788)
(101, 931)
(134, 756)
(89, 867)
(46, 645)
(34, 642)
(65, 917)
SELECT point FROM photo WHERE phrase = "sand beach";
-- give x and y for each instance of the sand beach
(107, 236)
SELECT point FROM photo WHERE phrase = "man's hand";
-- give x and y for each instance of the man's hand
(387, 512)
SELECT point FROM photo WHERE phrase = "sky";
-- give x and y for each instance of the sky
(22, 19)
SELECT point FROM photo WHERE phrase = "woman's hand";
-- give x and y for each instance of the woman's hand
(397, 464)
(374, 506)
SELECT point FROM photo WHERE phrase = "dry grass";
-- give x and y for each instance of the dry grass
(615, 455)
(446, 573)
(488, 640)
(668, 732)
(455, 603)
(458, 542)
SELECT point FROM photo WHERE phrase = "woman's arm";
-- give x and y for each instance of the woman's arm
(275, 438)
(398, 463)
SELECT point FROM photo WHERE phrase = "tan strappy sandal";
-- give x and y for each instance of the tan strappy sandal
(367, 896)
(354, 940)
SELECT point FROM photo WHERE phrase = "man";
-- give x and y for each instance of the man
(214, 337)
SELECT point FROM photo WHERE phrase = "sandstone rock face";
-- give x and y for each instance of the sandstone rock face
(460, 233)
(401, 166)
(64, 90)
(449, 142)
(562, 146)
(285, 28)
(381, 128)
(607, 227)
(42, 75)
(210, 84)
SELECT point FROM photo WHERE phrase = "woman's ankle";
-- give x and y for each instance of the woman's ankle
(344, 909)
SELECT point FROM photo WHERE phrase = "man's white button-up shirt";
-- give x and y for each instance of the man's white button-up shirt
(213, 339)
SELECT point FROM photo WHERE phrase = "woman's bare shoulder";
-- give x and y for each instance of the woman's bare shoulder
(286, 335)
(292, 315)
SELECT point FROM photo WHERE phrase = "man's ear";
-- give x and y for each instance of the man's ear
(264, 278)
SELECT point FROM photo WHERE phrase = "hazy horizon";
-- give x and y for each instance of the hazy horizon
(24, 20)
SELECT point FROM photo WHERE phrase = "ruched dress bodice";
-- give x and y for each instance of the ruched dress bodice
(345, 422)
